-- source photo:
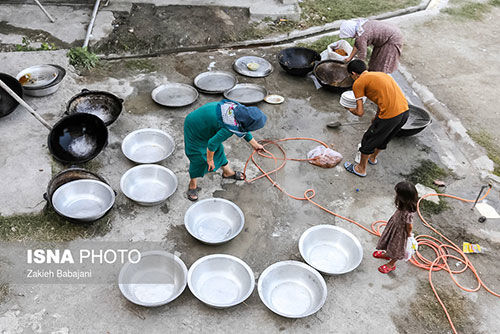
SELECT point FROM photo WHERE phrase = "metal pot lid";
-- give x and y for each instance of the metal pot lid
(246, 93)
(251, 66)
(174, 95)
(215, 82)
(37, 76)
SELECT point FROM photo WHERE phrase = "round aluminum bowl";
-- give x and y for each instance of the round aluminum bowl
(83, 200)
(246, 93)
(148, 184)
(221, 280)
(39, 76)
(265, 68)
(48, 89)
(292, 289)
(215, 82)
(214, 220)
(157, 279)
(148, 146)
(174, 95)
(330, 249)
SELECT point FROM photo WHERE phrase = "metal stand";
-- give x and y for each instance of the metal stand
(479, 195)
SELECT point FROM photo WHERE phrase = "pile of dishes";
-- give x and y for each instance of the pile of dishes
(348, 100)
(41, 80)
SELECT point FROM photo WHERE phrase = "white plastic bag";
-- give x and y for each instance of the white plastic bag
(343, 45)
(411, 247)
(324, 157)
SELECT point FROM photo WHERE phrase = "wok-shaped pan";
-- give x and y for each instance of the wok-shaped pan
(77, 138)
(102, 104)
(298, 61)
(7, 102)
(333, 75)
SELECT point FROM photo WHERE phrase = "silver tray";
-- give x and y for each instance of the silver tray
(174, 95)
(246, 93)
(265, 67)
(40, 75)
(215, 82)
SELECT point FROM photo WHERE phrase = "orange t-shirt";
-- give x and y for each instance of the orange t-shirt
(381, 88)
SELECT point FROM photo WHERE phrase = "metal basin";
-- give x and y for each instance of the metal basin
(102, 104)
(174, 95)
(418, 119)
(148, 146)
(148, 184)
(215, 82)
(46, 89)
(265, 68)
(157, 279)
(221, 280)
(7, 103)
(292, 289)
(214, 220)
(332, 75)
(330, 249)
(84, 200)
(298, 61)
(37, 76)
(246, 93)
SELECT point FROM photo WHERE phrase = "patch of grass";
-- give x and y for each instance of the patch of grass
(82, 58)
(484, 139)
(495, 3)
(319, 12)
(26, 46)
(471, 11)
(140, 65)
(48, 226)
(425, 174)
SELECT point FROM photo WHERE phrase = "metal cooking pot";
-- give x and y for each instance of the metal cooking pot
(77, 138)
(7, 102)
(418, 120)
(69, 175)
(298, 61)
(332, 75)
(99, 103)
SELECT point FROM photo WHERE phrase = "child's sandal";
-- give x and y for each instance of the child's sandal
(384, 269)
(380, 255)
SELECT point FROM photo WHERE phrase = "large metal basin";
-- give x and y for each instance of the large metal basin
(292, 289)
(330, 249)
(148, 146)
(148, 184)
(221, 280)
(84, 200)
(157, 279)
(214, 220)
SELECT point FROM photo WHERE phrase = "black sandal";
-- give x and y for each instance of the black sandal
(192, 194)
(238, 176)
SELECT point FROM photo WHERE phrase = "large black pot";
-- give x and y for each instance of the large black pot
(333, 75)
(77, 138)
(298, 61)
(7, 102)
(102, 104)
(418, 119)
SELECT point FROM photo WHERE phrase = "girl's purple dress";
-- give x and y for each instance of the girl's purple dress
(393, 238)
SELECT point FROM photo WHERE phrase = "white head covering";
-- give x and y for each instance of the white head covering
(349, 28)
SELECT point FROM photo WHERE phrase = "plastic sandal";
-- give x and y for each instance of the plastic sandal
(238, 176)
(380, 255)
(384, 269)
(192, 194)
(350, 168)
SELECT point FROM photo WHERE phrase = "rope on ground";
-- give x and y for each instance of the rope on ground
(441, 250)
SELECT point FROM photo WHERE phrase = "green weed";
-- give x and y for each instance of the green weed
(471, 11)
(484, 139)
(82, 58)
(26, 46)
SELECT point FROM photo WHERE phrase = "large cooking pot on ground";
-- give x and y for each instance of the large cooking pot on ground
(7, 102)
(76, 201)
(298, 61)
(418, 119)
(77, 138)
(333, 75)
(99, 103)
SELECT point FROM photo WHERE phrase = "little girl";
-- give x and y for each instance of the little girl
(392, 243)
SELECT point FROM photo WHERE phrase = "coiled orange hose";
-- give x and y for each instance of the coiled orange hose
(441, 249)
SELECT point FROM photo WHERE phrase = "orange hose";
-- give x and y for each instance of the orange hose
(441, 250)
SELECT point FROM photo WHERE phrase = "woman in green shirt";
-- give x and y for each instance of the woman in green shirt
(206, 128)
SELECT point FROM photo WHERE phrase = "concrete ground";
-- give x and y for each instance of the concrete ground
(362, 301)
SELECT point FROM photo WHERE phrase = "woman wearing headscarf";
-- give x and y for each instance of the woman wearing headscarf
(206, 128)
(386, 39)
